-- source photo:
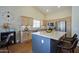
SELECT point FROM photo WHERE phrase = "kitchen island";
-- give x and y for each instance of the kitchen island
(44, 42)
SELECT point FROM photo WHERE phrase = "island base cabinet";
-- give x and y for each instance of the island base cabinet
(53, 45)
(42, 44)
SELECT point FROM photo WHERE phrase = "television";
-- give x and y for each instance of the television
(50, 24)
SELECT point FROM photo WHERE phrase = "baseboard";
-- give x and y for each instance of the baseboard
(27, 41)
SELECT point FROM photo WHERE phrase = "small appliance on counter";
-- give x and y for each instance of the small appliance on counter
(50, 27)
(49, 30)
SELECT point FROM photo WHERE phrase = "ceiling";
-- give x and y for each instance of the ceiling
(51, 9)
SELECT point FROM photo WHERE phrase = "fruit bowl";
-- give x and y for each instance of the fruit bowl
(49, 31)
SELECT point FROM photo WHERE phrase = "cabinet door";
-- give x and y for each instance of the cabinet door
(27, 20)
(30, 21)
(68, 24)
(40, 44)
(30, 35)
(24, 36)
(45, 22)
(24, 20)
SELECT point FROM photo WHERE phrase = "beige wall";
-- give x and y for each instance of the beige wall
(75, 20)
(60, 14)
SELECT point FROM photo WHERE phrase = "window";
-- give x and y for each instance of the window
(36, 23)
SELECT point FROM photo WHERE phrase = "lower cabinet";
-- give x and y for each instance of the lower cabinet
(42, 44)
(25, 36)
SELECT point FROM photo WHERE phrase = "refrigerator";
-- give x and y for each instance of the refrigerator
(61, 25)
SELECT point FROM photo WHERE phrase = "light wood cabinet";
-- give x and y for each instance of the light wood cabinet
(26, 36)
(30, 21)
(26, 20)
(68, 26)
(30, 35)
(45, 22)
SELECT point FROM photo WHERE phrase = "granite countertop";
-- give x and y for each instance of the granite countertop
(53, 35)
(34, 30)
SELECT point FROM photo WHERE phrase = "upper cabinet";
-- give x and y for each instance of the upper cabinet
(26, 20)
(44, 22)
(30, 21)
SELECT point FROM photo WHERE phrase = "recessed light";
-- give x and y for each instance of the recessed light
(47, 10)
(58, 6)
